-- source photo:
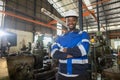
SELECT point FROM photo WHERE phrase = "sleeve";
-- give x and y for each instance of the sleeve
(82, 47)
(56, 51)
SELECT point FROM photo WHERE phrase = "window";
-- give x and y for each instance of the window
(117, 43)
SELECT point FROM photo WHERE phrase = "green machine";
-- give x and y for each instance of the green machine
(100, 54)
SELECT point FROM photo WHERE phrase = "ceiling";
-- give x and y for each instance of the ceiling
(109, 13)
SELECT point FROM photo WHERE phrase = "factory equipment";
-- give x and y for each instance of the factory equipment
(26, 67)
(29, 66)
(20, 67)
(100, 56)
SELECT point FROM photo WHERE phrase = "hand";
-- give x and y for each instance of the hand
(64, 49)
(69, 56)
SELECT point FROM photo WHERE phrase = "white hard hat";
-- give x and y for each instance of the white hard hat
(71, 13)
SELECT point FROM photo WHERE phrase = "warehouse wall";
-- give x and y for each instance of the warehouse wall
(22, 37)
(30, 9)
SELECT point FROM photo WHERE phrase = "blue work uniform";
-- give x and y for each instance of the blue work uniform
(77, 44)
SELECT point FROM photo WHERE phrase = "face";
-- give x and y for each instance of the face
(71, 22)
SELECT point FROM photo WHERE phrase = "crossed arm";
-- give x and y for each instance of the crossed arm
(80, 49)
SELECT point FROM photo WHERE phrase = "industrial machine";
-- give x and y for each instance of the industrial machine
(101, 53)
(26, 67)
(101, 59)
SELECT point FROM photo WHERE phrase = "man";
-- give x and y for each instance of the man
(71, 50)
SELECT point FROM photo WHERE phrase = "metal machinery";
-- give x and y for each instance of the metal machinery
(101, 59)
(26, 67)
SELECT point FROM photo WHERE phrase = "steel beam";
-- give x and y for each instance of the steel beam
(98, 23)
(80, 15)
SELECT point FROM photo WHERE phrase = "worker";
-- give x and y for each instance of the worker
(71, 50)
(92, 40)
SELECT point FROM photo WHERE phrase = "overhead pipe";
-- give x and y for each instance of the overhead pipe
(90, 12)
(53, 16)
(9, 8)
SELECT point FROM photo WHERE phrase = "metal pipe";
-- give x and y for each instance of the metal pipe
(80, 15)
(53, 16)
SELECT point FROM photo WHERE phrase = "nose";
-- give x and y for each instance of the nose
(70, 22)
